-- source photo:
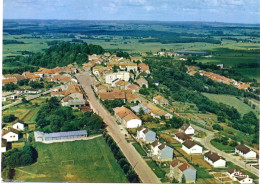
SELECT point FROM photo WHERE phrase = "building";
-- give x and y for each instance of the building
(245, 152)
(133, 87)
(142, 82)
(137, 109)
(127, 117)
(18, 125)
(3, 145)
(179, 170)
(181, 137)
(128, 66)
(60, 136)
(146, 135)
(191, 147)
(187, 129)
(157, 112)
(10, 134)
(156, 83)
(144, 68)
(73, 100)
(239, 176)
(160, 100)
(122, 75)
(161, 152)
(214, 159)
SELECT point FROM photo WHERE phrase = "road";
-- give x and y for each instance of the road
(229, 157)
(140, 166)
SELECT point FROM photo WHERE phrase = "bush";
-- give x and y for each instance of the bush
(217, 127)
(9, 118)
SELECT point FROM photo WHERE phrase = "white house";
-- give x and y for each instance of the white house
(214, 159)
(127, 117)
(122, 75)
(3, 145)
(11, 134)
(191, 147)
(18, 125)
(239, 176)
(155, 149)
(146, 135)
(161, 151)
(187, 129)
(181, 137)
(245, 152)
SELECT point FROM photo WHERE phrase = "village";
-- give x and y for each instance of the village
(172, 153)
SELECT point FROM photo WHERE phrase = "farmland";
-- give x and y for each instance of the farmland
(78, 161)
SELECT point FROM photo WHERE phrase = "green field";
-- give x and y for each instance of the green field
(156, 169)
(93, 162)
(253, 73)
(222, 147)
(230, 100)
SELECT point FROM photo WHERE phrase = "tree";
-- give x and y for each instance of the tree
(217, 127)
(122, 162)
(141, 111)
(9, 118)
(126, 168)
(24, 101)
(132, 176)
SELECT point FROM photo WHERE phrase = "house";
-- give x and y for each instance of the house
(239, 176)
(11, 134)
(144, 68)
(58, 93)
(214, 159)
(191, 147)
(245, 152)
(73, 100)
(34, 91)
(178, 170)
(127, 117)
(142, 82)
(60, 136)
(137, 109)
(18, 125)
(122, 75)
(157, 112)
(165, 153)
(3, 145)
(161, 152)
(181, 137)
(7, 81)
(146, 135)
(133, 87)
(128, 66)
(160, 100)
(187, 129)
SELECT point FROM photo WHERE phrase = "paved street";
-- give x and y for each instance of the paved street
(229, 157)
(142, 169)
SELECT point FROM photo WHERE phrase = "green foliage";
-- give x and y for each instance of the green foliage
(9, 87)
(36, 85)
(24, 101)
(139, 149)
(62, 54)
(144, 91)
(157, 170)
(24, 82)
(54, 118)
(122, 54)
(217, 127)
(9, 118)
(110, 104)
(175, 122)
(141, 111)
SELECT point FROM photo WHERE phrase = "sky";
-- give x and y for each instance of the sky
(231, 11)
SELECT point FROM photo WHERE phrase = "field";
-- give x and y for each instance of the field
(77, 161)
(252, 73)
(232, 101)
(157, 170)
(222, 147)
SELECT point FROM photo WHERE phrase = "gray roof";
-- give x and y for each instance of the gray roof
(38, 134)
(136, 109)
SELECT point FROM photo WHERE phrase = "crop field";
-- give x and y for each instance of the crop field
(220, 146)
(253, 73)
(78, 161)
(232, 101)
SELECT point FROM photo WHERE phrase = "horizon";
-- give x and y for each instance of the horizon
(243, 11)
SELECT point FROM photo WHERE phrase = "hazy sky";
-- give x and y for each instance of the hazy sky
(237, 11)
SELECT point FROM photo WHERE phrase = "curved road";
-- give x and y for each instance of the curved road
(140, 166)
(229, 157)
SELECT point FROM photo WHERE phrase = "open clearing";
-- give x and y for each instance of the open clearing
(230, 100)
(93, 162)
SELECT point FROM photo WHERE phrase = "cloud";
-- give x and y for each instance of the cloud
(149, 8)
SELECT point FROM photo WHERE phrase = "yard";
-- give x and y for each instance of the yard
(222, 147)
(77, 161)
(139, 149)
(156, 169)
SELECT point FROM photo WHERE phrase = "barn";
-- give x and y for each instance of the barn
(60, 136)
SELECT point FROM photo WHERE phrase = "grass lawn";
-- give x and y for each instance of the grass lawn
(139, 149)
(156, 169)
(93, 162)
(232, 101)
(222, 147)
(231, 165)
(202, 173)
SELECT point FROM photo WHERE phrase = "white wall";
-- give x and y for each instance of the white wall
(134, 123)
(11, 137)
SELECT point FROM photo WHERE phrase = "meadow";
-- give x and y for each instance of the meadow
(78, 161)
(232, 101)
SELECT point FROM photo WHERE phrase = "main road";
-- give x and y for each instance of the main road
(140, 166)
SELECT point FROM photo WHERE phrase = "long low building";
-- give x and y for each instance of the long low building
(60, 136)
